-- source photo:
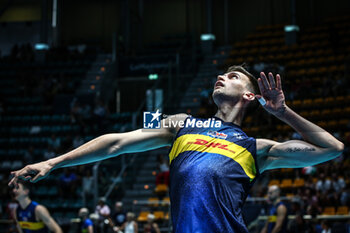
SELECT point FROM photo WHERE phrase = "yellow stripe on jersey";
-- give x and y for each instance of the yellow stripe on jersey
(203, 143)
(272, 218)
(31, 225)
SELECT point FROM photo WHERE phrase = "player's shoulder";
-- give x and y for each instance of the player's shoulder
(40, 209)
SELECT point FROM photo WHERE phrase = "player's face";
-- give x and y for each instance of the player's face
(272, 194)
(230, 85)
(19, 192)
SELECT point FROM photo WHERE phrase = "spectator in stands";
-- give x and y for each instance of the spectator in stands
(68, 183)
(326, 227)
(337, 183)
(278, 218)
(30, 214)
(151, 226)
(163, 175)
(119, 216)
(345, 196)
(103, 211)
(86, 225)
(130, 226)
(323, 184)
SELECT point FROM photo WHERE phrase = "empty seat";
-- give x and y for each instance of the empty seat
(143, 216)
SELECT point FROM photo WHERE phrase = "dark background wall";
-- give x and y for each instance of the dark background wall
(94, 22)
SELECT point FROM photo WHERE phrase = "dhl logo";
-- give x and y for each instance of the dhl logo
(211, 144)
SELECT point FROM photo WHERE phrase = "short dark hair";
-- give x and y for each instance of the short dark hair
(252, 86)
(26, 185)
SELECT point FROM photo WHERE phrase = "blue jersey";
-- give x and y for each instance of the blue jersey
(86, 223)
(273, 218)
(211, 172)
(27, 219)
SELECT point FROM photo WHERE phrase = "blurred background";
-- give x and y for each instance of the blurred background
(73, 70)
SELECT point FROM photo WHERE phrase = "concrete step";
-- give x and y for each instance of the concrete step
(146, 179)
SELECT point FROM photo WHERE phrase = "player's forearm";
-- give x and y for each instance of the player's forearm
(311, 132)
(103, 147)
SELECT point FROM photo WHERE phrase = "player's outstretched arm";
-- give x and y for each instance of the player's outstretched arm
(318, 145)
(43, 214)
(100, 148)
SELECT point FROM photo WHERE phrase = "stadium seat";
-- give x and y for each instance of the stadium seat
(143, 216)
(159, 215)
(153, 201)
(286, 183)
(299, 182)
(166, 201)
(161, 188)
(329, 210)
(342, 210)
(274, 182)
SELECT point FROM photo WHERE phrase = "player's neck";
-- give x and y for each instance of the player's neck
(24, 202)
(276, 201)
(230, 113)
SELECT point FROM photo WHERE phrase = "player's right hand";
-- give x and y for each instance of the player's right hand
(32, 172)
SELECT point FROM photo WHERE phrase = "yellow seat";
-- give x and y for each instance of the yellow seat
(329, 210)
(286, 183)
(143, 216)
(274, 182)
(299, 182)
(342, 210)
(159, 215)
(166, 201)
(153, 201)
(161, 188)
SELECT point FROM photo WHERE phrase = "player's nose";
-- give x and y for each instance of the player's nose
(221, 78)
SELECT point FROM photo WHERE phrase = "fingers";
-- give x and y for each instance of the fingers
(38, 177)
(264, 81)
(272, 80)
(278, 81)
(265, 84)
(14, 179)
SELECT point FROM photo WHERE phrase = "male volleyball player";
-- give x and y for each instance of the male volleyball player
(30, 216)
(212, 168)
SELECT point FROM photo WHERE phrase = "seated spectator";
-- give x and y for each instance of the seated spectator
(103, 211)
(130, 226)
(151, 226)
(119, 216)
(326, 227)
(338, 183)
(86, 225)
(163, 175)
(323, 184)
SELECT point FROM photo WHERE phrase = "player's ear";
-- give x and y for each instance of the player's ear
(249, 96)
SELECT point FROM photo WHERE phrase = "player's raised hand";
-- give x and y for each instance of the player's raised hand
(32, 172)
(271, 91)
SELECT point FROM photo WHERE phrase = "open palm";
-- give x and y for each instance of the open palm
(271, 91)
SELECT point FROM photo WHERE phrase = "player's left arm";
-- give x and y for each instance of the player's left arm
(318, 145)
(281, 215)
(44, 215)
